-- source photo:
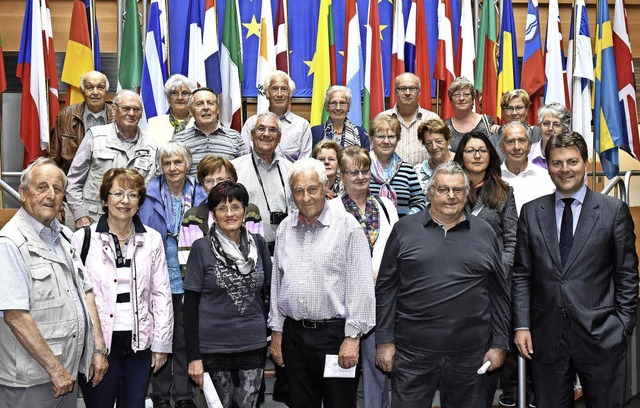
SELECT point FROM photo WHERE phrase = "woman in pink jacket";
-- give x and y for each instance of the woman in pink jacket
(127, 266)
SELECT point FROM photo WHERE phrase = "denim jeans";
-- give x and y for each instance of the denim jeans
(126, 379)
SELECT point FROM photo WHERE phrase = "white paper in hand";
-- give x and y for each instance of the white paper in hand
(333, 370)
(210, 394)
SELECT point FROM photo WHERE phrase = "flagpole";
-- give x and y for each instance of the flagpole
(144, 23)
(119, 34)
(167, 39)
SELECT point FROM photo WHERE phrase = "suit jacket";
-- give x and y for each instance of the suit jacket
(596, 291)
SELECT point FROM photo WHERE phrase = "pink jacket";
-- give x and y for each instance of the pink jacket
(150, 291)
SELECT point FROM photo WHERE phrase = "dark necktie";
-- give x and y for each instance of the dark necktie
(566, 230)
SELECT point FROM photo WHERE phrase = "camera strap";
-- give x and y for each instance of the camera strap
(264, 193)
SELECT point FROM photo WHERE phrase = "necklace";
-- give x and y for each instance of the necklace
(128, 237)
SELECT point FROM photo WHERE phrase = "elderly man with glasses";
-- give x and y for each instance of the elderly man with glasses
(408, 111)
(119, 144)
(442, 301)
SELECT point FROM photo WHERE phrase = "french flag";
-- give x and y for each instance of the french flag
(34, 116)
(193, 60)
(398, 45)
(154, 69)
(211, 47)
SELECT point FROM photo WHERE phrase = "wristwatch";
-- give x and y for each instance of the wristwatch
(103, 351)
(356, 336)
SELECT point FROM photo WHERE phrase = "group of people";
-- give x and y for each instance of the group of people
(418, 251)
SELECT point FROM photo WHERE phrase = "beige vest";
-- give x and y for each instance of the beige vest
(58, 308)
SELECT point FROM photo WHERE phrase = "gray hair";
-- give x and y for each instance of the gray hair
(201, 89)
(82, 78)
(178, 80)
(308, 163)
(459, 84)
(557, 110)
(124, 92)
(173, 149)
(515, 123)
(25, 177)
(268, 113)
(337, 88)
(275, 74)
(449, 168)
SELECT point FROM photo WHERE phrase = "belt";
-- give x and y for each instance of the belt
(317, 324)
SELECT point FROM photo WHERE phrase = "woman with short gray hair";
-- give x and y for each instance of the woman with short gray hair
(338, 127)
(169, 196)
(162, 127)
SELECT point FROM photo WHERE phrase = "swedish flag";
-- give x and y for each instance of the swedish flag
(606, 116)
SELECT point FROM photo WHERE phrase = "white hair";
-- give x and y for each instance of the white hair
(306, 164)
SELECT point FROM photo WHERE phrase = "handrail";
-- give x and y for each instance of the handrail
(621, 184)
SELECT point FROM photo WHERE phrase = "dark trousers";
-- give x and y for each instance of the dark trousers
(603, 380)
(417, 374)
(126, 379)
(172, 381)
(304, 352)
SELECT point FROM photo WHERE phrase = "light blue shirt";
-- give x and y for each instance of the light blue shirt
(576, 207)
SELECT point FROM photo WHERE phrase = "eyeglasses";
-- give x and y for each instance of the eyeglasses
(335, 104)
(126, 109)
(119, 196)
(472, 152)
(464, 95)
(382, 138)
(175, 94)
(235, 208)
(515, 108)
(555, 125)
(445, 190)
(437, 142)
(408, 89)
(213, 181)
(267, 129)
(356, 173)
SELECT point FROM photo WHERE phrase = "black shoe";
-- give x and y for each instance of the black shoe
(186, 404)
(161, 403)
(532, 400)
(507, 400)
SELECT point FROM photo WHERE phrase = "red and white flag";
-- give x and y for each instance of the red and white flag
(626, 79)
(397, 47)
(281, 37)
(465, 63)
(444, 70)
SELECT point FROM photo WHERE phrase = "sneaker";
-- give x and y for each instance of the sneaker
(507, 400)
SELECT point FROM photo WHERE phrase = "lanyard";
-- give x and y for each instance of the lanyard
(255, 167)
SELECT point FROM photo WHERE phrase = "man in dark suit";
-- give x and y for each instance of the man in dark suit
(575, 284)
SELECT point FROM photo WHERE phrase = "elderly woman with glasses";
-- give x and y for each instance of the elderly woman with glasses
(376, 215)
(338, 127)
(131, 285)
(169, 196)
(434, 135)
(553, 119)
(462, 95)
(197, 221)
(492, 200)
(329, 152)
(391, 176)
(177, 90)
(227, 288)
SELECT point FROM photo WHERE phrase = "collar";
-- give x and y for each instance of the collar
(122, 138)
(55, 227)
(428, 221)
(195, 126)
(530, 169)
(103, 226)
(260, 160)
(323, 220)
(578, 195)
(397, 115)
